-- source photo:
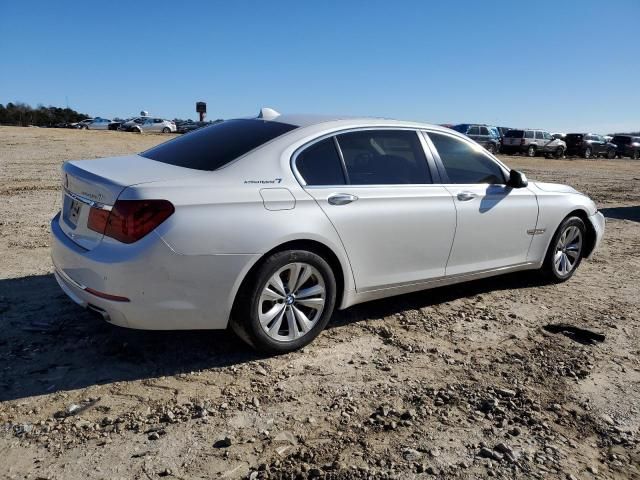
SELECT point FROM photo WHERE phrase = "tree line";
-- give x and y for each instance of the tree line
(24, 115)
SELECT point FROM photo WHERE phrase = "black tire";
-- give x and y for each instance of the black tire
(491, 148)
(532, 151)
(635, 155)
(587, 153)
(611, 154)
(549, 268)
(559, 153)
(166, 130)
(245, 321)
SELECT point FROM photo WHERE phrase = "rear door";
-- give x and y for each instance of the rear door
(376, 186)
(494, 221)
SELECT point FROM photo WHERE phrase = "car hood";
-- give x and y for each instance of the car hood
(555, 187)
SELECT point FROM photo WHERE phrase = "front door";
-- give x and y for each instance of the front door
(494, 222)
(376, 187)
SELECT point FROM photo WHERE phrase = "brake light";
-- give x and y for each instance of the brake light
(130, 220)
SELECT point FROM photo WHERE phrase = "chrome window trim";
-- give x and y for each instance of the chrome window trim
(88, 201)
(334, 134)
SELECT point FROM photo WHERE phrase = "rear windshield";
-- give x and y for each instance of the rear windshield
(210, 148)
(514, 134)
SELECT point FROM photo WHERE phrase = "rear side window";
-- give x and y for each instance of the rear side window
(474, 131)
(384, 157)
(212, 147)
(320, 164)
(528, 134)
(463, 163)
(514, 134)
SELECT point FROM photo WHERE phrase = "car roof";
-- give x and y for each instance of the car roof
(329, 121)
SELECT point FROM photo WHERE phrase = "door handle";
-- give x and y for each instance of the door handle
(341, 198)
(466, 196)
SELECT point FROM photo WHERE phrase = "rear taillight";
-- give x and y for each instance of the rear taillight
(130, 220)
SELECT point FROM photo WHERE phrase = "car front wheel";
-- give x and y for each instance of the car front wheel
(565, 251)
(587, 153)
(286, 302)
(559, 153)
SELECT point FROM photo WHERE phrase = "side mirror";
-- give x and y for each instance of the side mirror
(517, 179)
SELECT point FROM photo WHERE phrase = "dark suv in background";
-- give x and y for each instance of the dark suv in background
(486, 135)
(627, 146)
(589, 145)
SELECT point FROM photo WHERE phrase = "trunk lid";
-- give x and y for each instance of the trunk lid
(98, 183)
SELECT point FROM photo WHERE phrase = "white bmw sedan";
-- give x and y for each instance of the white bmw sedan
(269, 224)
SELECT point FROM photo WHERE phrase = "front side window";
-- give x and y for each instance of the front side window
(384, 157)
(320, 164)
(484, 131)
(212, 147)
(463, 163)
(539, 136)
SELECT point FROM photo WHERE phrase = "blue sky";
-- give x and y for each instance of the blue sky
(559, 65)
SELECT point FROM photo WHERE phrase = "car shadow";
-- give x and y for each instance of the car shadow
(49, 344)
(622, 213)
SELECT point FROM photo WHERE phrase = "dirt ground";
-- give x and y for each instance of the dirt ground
(458, 382)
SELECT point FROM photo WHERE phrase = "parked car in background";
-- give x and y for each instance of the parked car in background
(533, 142)
(95, 124)
(301, 206)
(485, 135)
(627, 146)
(151, 124)
(128, 125)
(589, 145)
(187, 127)
(81, 124)
(503, 131)
(559, 136)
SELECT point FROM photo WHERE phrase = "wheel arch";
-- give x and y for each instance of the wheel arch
(340, 270)
(590, 241)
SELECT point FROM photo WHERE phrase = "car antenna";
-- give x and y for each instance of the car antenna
(268, 113)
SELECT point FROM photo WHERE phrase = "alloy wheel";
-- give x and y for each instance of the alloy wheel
(568, 250)
(292, 301)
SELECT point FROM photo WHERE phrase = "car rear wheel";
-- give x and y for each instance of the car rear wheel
(531, 151)
(635, 155)
(166, 130)
(611, 154)
(587, 153)
(491, 148)
(565, 251)
(286, 302)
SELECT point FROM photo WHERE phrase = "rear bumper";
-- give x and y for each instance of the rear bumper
(166, 290)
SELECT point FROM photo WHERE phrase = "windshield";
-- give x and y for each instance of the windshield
(210, 148)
